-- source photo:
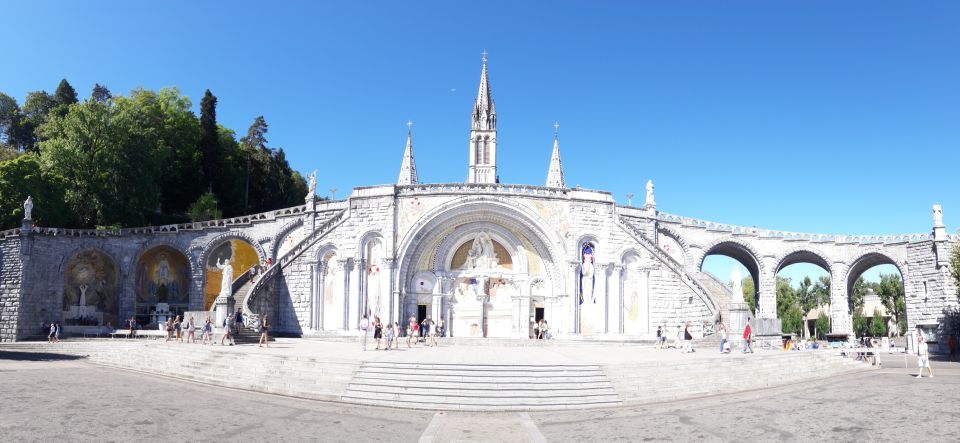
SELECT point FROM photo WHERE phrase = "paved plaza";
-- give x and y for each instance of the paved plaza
(60, 397)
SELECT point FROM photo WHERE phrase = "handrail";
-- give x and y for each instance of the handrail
(671, 263)
(253, 317)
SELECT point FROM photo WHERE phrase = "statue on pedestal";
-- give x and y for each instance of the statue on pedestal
(226, 282)
(312, 186)
(937, 215)
(28, 208)
(736, 283)
(650, 201)
(83, 295)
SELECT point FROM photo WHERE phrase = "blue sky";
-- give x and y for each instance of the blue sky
(815, 116)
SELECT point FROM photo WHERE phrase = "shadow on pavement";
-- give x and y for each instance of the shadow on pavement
(37, 356)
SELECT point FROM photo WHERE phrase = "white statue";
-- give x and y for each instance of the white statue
(587, 271)
(313, 185)
(28, 208)
(226, 282)
(83, 295)
(481, 255)
(937, 215)
(650, 201)
(736, 283)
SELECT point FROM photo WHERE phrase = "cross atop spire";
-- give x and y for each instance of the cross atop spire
(556, 129)
(555, 172)
(408, 168)
(483, 56)
(484, 111)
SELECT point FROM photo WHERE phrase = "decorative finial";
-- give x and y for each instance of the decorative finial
(484, 56)
(556, 128)
(409, 125)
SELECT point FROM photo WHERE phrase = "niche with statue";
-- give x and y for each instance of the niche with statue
(91, 289)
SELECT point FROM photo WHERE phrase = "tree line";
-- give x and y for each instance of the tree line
(793, 304)
(141, 159)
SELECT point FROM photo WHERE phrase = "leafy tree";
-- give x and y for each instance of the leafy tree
(890, 290)
(788, 309)
(210, 149)
(9, 117)
(22, 177)
(749, 294)
(8, 153)
(100, 93)
(205, 208)
(181, 174)
(877, 326)
(37, 106)
(955, 267)
(64, 96)
(823, 325)
(254, 145)
(860, 324)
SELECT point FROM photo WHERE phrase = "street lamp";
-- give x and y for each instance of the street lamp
(629, 197)
(333, 193)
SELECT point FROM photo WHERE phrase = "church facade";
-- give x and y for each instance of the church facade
(489, 259)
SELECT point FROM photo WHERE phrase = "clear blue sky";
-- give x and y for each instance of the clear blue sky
(814, 116)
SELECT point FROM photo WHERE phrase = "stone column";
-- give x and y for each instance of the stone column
(767, 307)
(317, 299)
(841, 319)
(574, 313)
(351, 308)
(393, 292)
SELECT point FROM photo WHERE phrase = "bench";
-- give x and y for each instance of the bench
(122, 333)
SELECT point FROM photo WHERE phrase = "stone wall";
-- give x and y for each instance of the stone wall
(10, 278)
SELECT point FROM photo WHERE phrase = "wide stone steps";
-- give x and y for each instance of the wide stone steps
(479, 387)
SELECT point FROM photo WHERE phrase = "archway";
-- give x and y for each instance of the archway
(91, 291)
(241, 255)
(163, 277)
(726, 259)
(875, 286)
(330, 302)
(803, 293)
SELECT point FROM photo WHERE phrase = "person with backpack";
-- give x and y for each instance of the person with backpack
(264, 331)
(238, 319)
(226, 330)
(207, 333)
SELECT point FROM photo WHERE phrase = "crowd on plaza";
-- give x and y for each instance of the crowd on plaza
(389, 335)
(683, 338)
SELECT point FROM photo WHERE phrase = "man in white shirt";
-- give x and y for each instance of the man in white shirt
(364, 326)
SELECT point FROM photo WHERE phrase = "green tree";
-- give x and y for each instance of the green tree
(749, 294)
(181, 174)
(255, 147)
(9, 119)
(955, 267)
(210, 149)
(823, 325)
(34, 112)
(890, 290)
(22, 177)
(205, 208)
(100, 93)
(877, 326)
(64, 96)
(788, 308)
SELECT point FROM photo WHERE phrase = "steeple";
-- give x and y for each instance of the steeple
(555, 173)
(483, 133)
(408, 169)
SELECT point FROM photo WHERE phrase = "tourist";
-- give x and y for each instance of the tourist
(133, 327)
(952, 347)
(441, 329)
(389, 336)
(545, 329)
(238, 319)
(539, 329)
(226, 330)
(264, 331)
(253, 274)
(177, 328)
(425, 330)
(207, 332)
(687, 338)
(747, 337)
(364, 325)
(377, 330)
(191, 331)
(53, 332)
(660, 338)
(432, 334)
(412, 331)
(723, 338)
(169, 328)
(56, 334)
(923, 358)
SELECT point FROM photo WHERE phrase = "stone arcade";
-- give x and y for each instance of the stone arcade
(488, 258)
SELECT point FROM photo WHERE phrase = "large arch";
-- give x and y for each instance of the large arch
(163, 275)
(743, 253)
(803, 255)
(858, 267)
(243, 252)
(91, 292)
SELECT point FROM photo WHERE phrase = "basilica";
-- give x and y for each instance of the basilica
(490, 259)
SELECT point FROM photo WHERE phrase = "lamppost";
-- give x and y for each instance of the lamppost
(629, 199)
(333, 193)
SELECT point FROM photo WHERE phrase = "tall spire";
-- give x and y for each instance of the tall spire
(483, 133)
(555, 173)
(408, 169)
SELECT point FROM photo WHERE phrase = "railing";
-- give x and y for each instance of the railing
(253, 317)
(500, 188)
(797, 236)
(674, 265)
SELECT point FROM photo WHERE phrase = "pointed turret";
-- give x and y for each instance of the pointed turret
(555, 173)
(408, 169)
(483, 133)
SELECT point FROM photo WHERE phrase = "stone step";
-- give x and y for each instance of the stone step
(427, 404)
(587, 380)
(488, 391)
(469, 403)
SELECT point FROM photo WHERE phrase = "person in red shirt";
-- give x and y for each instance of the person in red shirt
(747, 337)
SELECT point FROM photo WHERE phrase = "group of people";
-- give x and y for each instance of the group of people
(231, 326)
(259, 268)
(541, 330)
(54, 335)
(389, 334)
(683, 339)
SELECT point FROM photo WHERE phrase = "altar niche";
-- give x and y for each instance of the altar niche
(162, 285)
(239, 254)
(90, 291)
(484, 285)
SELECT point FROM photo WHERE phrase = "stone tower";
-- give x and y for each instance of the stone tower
(408, 169)
(483, 133)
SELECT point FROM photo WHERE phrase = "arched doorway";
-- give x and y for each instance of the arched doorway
(727, 260)
(91, 291)
(875, 296)
(803, 294)
(331, 298)
(163, 277)
(241, 255)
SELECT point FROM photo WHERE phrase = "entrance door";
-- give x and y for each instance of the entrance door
(421, 313)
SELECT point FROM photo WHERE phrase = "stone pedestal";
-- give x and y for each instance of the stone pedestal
(739, 312)
(27, 226)
(222, 309)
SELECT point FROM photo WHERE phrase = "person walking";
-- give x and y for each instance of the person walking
(191, 331)
(264, 331)
(53, 332)
(56, 334)
(687, 338)
(413, 333)
(389, 336)
(923, 358)
(425, 331)
(169, 328)
(441, 329)
(377, 330)
(227, 324)
(238, 319)
(207, 334)
(133, 327)
(952, 347)
(177, 327)
(364, 326)
(723, 337)
(747, 338)
(659, 338)
(431, 332)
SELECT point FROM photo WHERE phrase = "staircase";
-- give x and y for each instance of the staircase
(719, 291)
(480, 387)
